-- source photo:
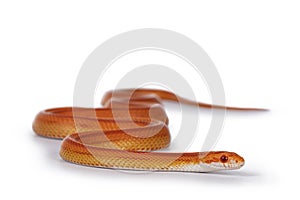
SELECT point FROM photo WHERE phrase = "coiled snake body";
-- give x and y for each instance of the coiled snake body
(122, 134)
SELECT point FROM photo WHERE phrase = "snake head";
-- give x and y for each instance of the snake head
(221, 160)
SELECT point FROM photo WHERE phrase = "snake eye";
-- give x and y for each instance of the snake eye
(224, 159)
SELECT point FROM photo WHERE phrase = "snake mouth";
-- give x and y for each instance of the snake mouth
(225, 166)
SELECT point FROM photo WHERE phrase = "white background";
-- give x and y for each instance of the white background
(255, 46)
